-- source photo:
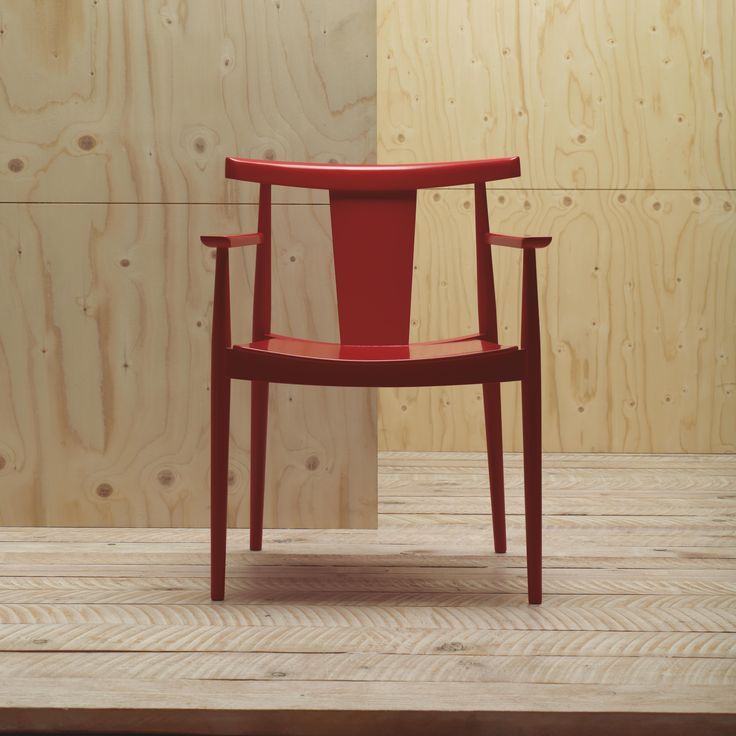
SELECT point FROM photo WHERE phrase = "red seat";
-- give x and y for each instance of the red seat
(281, 359)
(373, 212)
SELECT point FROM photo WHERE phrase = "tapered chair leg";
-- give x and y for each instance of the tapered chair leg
(220, 429)
(258, 428)
(532, 420)
(494, 443)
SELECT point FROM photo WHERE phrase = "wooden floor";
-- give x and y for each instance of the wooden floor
(414, 628)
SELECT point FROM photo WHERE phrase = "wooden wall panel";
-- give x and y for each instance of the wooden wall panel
(112, 101)
(116, 118)
(611, 93)
(637, 342)
(105, 366)
(623, 115)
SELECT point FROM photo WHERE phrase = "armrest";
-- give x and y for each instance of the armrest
(231, 241)
(525, 242)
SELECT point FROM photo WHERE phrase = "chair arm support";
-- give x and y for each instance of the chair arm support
(530, 307)
(232, 241)
(525, 242)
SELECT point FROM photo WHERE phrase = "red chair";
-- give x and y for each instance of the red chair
(373, 211)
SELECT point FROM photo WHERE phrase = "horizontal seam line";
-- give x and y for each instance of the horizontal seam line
(326, 204)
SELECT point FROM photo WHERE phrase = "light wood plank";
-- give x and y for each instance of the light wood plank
(418, 533)
(376, 696)
(585, 503)
(255, 579)
(559, 481)
(402, 461)
(715, 613)
(352, 545)
(415, 539)
(264, 594)
(181, 638)
(643, 558)
(369, 667)
(684, 526)
(552, 523)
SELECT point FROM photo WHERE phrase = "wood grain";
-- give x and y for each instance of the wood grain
(182, 638)
(638, 299)
(369, 667)
(610, 94)
(622, 113)
(113, 101)
(415, 622)
(105, 371)
(103, 350)
(118, 578)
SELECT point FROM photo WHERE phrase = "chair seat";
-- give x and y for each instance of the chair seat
(280, 359)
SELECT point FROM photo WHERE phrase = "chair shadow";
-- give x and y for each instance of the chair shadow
(316, 579)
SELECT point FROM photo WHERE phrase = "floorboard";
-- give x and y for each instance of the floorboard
(415, 627)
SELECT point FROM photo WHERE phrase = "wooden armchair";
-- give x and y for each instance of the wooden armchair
(373, 212)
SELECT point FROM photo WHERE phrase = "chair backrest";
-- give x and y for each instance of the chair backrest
(373, 210)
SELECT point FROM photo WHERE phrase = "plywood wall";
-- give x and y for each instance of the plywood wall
(116, 117)
(624, 115)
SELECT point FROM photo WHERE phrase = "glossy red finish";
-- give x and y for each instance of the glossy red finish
(494, 446)
(258, 425)
(259, 389)
(371, 177)
(262, 287)
(289, 360)
(373, 245)
(518, 241)
(232, 241)
(220, 419)
(373, 212)
(491, 391)
(531, 411)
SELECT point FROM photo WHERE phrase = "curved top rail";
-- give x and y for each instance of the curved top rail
(371, 177)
